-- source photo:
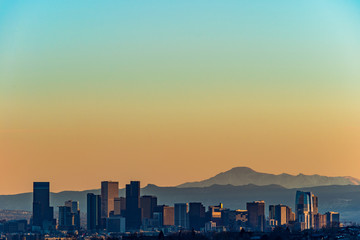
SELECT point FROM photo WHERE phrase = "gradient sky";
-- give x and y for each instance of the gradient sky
(172, 91)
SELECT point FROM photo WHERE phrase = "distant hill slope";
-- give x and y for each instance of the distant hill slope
(344, 199)
(242, 176)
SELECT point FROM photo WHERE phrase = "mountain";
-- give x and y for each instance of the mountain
(344, 199)
(243, 175)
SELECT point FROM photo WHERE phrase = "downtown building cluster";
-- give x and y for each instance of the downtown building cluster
(132, 213)
(109, 213)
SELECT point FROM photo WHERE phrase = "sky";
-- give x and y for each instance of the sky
(167, 92)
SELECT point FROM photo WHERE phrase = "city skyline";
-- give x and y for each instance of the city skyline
(142, 213)
(171, 92)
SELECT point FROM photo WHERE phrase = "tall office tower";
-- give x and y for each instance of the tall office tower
(148, 205)
(196, 215)
(305, 208)
(290, 215)
(43, 214)
(93, 212)
(164, 215)
(315, 204)
(109, 191)
(181, 215)
(75, 210)
(66, 218)
(280, 213)
(168, 216)
(319, 221)
(272, 212)
(119, 206)
(133, 210)
(256, 215)
(332, 219)
(214, 214)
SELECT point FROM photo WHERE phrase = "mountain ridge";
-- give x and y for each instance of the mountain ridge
(239, 176)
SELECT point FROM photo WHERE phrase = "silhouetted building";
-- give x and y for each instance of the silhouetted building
(109, 191)
(164, 216)
(75, 211)
(43, 214)
(14, 226)
(319, 221)
(119, 206)
(214, 214)
(93, 212)
(181, 215)
(196, 215)
(332, 219)
(133, 210)
(66, 218)
(282, 214)
(115, 224)
(148, 205)
(256, 215)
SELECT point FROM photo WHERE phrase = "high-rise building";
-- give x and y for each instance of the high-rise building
(196, 215)
(75, 211)
(306, 205)
(148, 205)
(214, 214)
(280, 213)
(109, 191)
(272, 212)
(119, 206)
(133, 210)
(332, 219)
(43, 214)
(93, 212)
(319, 221)
(256, 215)
(66, 218)
(181, 215)
(166, 214)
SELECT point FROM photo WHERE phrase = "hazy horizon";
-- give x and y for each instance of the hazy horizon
(122, 185)
(168, 92)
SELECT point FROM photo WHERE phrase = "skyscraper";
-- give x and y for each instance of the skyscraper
(332, 219)
(168, 216)
(165, 215)
(43, 214)
(319, 221)
(109, 191)
(133, 210)
(66, 218)
(306, 205)
(280, 213)
(75, 211)
(196, 215)
(119, 206)
(148, 205)
(93, 212)
(181, 215)
(256, 215)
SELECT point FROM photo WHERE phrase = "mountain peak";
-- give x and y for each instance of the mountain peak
(242, 170)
